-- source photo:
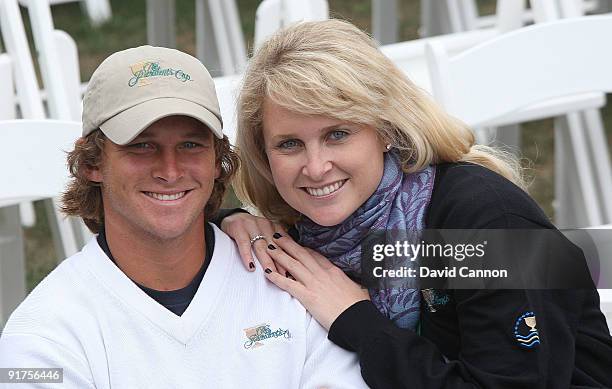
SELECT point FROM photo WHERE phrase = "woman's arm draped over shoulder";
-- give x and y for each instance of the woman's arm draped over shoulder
(490, 355)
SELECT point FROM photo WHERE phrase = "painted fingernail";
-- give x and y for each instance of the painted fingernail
(271, 247)
(251, 265)
(277, 235)
(268, 271)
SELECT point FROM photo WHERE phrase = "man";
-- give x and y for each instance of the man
(159, 299)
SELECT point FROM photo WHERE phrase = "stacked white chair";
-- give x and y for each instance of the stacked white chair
(523, 68)
(59, 65)
(569, 209)
(448, 16)
(580, 135)
(98, 11)
(19, 87)
(33, 160)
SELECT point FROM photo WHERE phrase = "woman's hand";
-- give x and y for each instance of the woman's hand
(322, 288)
(242, 227)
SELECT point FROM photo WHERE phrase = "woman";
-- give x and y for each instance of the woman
(336, 142)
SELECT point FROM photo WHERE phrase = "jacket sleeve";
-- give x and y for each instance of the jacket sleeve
(490, 354)
(573, 345)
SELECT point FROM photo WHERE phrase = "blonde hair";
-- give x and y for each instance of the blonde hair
(83, 198)
(333, 69)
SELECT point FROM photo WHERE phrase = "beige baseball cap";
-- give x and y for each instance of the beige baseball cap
(134, 88)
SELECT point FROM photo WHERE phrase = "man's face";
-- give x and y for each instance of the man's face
(157, 185)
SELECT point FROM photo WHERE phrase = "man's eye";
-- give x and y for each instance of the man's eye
(190, 145)
(288, 144)
(140, 146)
(338, 134)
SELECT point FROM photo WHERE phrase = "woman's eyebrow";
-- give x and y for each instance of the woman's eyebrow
(292, 135)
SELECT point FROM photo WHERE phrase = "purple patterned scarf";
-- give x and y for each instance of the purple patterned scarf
(398, 204)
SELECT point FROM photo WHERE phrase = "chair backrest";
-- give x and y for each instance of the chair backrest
(58, 59)
(410, 55)
(272, 15)
(33, 158)
(523, 67)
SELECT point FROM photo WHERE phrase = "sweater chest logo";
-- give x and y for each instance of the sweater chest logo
(525, 331)
(259, 334)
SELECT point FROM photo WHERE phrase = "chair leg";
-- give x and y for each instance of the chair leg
(61, 230)
(601, 159)
(27, 213)
(563, 216)
(509, 138)
(586, 181)
(12, 262)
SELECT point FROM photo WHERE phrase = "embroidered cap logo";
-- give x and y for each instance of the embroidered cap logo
(145, 72)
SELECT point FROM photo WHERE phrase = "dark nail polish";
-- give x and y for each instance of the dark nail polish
(251, 265)
(277, 235)
(271, 247)
(268, 271)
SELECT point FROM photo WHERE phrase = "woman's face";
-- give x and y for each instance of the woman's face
(323, 168)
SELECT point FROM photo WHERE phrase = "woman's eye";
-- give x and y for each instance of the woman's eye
(190, 145)
(338, 135)
(288, 144)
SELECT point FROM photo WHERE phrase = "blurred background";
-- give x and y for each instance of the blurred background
(128, 28)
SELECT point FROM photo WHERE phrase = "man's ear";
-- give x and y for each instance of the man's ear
(217, 170)
(93, 174)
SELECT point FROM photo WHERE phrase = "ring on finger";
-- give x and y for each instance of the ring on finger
(256, 238)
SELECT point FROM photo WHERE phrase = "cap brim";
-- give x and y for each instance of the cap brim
(125, 126)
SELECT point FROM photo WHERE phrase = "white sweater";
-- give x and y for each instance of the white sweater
(239, 331)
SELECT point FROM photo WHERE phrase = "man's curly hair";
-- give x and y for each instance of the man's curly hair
(83, 198)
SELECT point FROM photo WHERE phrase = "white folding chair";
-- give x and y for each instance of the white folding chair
(272, 15)
(533, 66)
(62, 84)
(587, 122)
(33, 162)
(31, 107)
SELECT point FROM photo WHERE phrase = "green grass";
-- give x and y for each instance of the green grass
(128, 29)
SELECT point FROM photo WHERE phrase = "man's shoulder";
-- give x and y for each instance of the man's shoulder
(246, 285)
(53, 303)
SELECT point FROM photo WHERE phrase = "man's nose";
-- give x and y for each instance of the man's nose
(318, 163)
(168, 166)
